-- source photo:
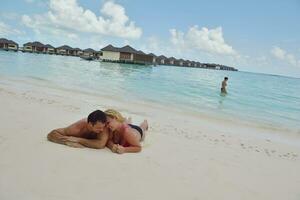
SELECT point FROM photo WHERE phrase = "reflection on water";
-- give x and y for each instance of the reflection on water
(221, 100)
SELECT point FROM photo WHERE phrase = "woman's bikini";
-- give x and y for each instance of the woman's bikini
(125, 126)
(139, 129)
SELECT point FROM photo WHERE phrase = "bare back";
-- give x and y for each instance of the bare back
(78, 129)
(224, 84)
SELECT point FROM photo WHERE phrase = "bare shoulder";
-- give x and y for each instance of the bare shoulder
(76, 128)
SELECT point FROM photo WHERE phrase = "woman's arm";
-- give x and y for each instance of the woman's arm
(112, 142)
(131, 149)
(133, 142)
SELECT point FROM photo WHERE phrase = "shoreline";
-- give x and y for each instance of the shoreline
(85, 102)
(36, 83)
(199, 97)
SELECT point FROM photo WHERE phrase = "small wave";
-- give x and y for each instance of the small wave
(38, 78)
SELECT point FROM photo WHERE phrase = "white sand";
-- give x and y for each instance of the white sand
(184, 156)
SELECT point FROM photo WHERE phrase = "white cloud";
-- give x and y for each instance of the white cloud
(206, 40)
(29, 22)
(153, 44)
(278, 53)
(6, 30)
(67, 15)
(282, 55)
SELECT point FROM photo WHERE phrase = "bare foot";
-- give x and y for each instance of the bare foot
(144, 126)
(128, 120)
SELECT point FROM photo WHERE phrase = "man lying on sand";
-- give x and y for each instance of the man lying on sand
(125, 137)
(90, 132)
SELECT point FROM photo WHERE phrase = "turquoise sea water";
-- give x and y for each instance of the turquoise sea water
(268, 100)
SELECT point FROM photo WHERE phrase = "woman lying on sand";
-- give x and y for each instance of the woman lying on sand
(125, 137)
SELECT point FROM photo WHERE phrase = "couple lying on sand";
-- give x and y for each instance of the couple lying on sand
(102, 129)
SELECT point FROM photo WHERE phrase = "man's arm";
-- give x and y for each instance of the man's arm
(61, 135)
(98, 143)
(57, 136)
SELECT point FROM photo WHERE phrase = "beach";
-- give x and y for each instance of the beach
(196, 100)
(185, 156)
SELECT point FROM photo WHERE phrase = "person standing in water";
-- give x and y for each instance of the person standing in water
(224, 84)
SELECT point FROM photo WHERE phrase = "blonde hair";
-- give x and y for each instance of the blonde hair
(115, 114)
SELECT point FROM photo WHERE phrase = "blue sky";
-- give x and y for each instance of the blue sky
(256, 36)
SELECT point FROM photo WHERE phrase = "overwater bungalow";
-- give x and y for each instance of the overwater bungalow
(223, 67)
(202, 65)
(90, 53)
(49, 49)
(182, 62)
(161, 60)
(27, 47)
(77, 52)
(189, 63)
(193, 64)
(64, 50)
(126, 54)
(141, 58)
(170, 61)
(198, 64)
(185, 63)
(110, 53)
(208, 66)
(34, 47)
(227, 68)
(38, 47)
(7, 45)
(179, 62)
(154, 57)
(131, 55)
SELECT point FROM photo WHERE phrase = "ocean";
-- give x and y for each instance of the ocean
(269, 101)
